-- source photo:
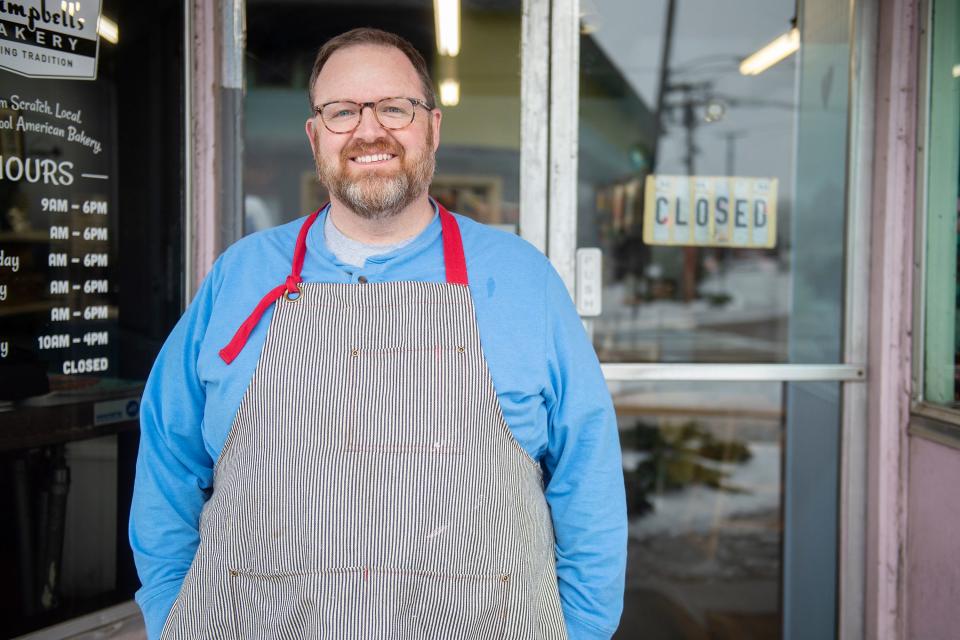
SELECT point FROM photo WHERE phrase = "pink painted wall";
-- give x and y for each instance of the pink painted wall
(889, 338)
(933, 542)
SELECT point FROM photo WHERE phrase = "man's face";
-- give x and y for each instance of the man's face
(381, 187)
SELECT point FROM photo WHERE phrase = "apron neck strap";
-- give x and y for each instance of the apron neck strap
(453, 257)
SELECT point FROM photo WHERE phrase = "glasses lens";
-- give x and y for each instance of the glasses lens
(341, 116)
(395, 113)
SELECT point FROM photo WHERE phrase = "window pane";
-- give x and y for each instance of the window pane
(941, 335)
(718, 198)
(731, 496)
(478, 162)
(90, 287)
(702, 464)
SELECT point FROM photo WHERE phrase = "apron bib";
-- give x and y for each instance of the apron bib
(370, 487)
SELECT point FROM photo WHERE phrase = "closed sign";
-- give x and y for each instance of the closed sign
(710, 211)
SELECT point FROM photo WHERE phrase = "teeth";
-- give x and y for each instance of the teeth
(374, 158)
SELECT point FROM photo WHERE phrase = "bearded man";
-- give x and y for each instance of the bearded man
(382, 420)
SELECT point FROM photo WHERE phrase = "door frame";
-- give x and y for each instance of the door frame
(548, 219)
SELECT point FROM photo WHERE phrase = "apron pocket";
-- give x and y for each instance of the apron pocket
(294, 604)
(439, 606)
(370, 602)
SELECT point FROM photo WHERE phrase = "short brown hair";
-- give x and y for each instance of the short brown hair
(367, 35)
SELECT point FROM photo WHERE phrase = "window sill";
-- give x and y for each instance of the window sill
(937, 424)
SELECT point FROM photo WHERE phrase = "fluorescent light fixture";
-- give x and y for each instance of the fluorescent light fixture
(108, 30)
(446, 15)
(450, 93)
(771, 54)
(956, 71)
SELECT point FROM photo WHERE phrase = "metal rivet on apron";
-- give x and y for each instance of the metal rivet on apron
(355, 352)
(461, 349)
(362, 279)
(505, 578)
(234, 573)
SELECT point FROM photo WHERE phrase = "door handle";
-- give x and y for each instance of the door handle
(589, 282)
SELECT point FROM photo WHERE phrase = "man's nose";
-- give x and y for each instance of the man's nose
(369, 127)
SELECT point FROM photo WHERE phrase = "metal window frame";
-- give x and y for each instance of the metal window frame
(534, 120)
(854, 433)
(923, 412)
(564, 139)
(920, 221)
(214, 33)
(738, 372)
(931, 427)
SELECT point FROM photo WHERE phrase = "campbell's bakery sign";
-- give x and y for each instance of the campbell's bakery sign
(50, 38)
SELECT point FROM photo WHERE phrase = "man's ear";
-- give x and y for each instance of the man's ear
(436, 117)
(311, 138)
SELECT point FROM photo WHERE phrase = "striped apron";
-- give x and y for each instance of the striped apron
(370, 487)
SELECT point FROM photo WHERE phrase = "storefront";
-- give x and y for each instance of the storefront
(733, 197)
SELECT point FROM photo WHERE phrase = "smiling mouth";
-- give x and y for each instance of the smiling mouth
(376, 158)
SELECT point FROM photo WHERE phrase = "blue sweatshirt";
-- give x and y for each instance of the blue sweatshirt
(544, 370)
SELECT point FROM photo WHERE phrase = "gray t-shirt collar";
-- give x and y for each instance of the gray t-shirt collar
(354, 252)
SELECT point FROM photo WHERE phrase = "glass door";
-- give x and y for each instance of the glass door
(697, 211)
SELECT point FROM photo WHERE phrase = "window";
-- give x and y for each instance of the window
(715, 188)
(90, 263)
(940, 296)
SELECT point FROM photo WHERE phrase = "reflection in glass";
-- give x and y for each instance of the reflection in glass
(662, 93)
(478, 162)
(702, 464)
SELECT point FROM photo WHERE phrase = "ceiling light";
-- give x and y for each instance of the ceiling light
(771, 54)
(956, 71)
(446, 15)
(108, 30)
(450, 93)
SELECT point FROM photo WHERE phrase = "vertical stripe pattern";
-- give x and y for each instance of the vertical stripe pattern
(370, 487)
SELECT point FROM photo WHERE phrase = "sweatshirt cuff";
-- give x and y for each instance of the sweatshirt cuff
(156, 607)
(578, 629)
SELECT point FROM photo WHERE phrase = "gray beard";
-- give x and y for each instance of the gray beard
(375, 198)
(378, 197)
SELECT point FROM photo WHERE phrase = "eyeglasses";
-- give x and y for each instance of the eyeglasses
(392, 113)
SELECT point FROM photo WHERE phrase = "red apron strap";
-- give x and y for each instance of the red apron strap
(453, 257)
(232, 350)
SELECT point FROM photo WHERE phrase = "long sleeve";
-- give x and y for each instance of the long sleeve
(174, 469)
(584, 475)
